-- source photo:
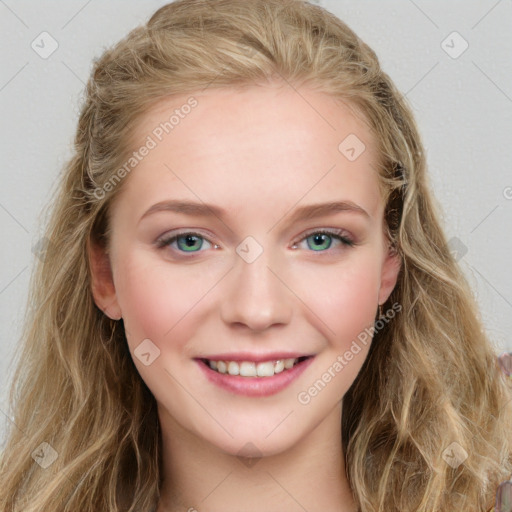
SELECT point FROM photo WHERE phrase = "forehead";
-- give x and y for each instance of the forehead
(258, 141)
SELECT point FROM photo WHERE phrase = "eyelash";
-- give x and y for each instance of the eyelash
(338, 234)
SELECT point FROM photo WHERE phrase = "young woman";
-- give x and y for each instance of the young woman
(247, 301)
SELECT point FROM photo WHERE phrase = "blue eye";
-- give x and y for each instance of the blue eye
(317, 241)
(186, 242)
(322, 240)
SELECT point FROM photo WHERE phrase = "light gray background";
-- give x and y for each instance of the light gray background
(463, 107)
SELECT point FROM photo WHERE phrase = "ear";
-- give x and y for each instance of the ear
(389, 276)
(102, 282)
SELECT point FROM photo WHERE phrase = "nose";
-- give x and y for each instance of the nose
(256, 294)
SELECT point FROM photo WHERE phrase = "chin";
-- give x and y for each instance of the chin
(249, 444)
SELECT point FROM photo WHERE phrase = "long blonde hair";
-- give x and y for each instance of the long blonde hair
(85, 434)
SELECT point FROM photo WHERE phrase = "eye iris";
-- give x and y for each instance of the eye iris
(190, 240)
(321, 241)
(320, 238)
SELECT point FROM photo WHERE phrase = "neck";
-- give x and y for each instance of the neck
(199, 477)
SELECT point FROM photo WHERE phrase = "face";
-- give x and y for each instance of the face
(256, 277)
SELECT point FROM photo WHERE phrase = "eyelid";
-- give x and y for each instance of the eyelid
(164, 239)
(342, 235)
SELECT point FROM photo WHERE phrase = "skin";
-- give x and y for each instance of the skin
(259, 154)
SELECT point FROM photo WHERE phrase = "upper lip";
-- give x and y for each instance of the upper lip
(256, 358)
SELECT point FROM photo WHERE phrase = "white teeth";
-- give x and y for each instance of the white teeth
(265, 369)
(288, 363)
(248, 369)
(233, 368)
(279, 367)
(251, 369)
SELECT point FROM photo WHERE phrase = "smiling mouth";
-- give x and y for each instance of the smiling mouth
(252, 369)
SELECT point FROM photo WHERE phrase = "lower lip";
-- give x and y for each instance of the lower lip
(254, 386)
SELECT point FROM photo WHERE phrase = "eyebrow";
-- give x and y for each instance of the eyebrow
(302, 213)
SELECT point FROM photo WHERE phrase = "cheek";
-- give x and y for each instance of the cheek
(343, 300)
(154, 301)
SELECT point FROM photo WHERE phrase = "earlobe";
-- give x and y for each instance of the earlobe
(390, 271)
(102, 282)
